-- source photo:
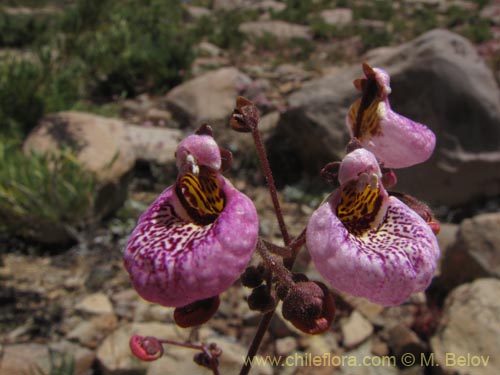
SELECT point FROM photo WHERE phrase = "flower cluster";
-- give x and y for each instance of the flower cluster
(199, 235)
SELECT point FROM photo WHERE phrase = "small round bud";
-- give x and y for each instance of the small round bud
(252, 277)
(146, 348)
(309, 307)
(330, 172)
(299, 277)
(204, 129)
(389, 178)
(202, 359)
(245, 116)
(282, 291)
(208, 358)
(261, 300)
(435, 226)
(196, 313)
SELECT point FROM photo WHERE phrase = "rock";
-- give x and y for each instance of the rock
(210, 97)
(466, 341)
(437, 79)
(285, 346)
(99, 144)
(97, 303)
(24, 359)
(36, 358)
(114, 354)
(361, 361)
(280, 30)
(355, 329)
(268, 122)
(320, 344)
(153, 144)
(491, 12)
(446, 238)
(368, 309)
(268, 5)
(149, 312)
(379, 347)
(338, 17)
(402, 339)
(91, 333)
(83, 357)
(208, 49)
(231, 4)
(158, 116)
(476, 252)
(195, 13)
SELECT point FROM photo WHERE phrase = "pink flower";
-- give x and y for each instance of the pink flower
(197, 237)
(396, 141)
(367, 243)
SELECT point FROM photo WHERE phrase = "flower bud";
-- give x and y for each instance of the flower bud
(146, 348)
(389, 178)
(282, 291)
(252, 277)
(208, 358)
(261, 300)
(196, 313)
(245, 116)
(309, 307)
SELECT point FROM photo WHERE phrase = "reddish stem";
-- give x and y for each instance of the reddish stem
(270, 183)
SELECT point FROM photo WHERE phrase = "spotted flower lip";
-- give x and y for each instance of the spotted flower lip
(197, 237)
(395, 140)
(367, 243)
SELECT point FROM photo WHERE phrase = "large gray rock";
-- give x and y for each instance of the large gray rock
(467, 340)
(154, 144)
(210, 97)
(339, 17)
(475, 253)
(280, 30)
(437, 79)
(100, 144)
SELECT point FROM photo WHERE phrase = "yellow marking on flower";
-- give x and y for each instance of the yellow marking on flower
(358, 210)
(368, 119)
(201, 196)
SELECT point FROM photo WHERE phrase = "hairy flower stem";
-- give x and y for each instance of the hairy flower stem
(266, 318)
(270, 183)
(275, 265)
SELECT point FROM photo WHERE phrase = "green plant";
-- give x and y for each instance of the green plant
(42, 190)
(479, 31)
(376, 10)
(128, 46)
(20, 103)
(222, 28)
(299, 11)
(20, 30)
(60, 364)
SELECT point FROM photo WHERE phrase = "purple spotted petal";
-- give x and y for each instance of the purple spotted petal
(173, 262)
(395, 140)
(384, 265)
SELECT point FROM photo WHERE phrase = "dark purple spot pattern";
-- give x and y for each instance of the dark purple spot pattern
(385, 264)
(174, 262)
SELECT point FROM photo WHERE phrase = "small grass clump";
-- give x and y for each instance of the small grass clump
(43, 191)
